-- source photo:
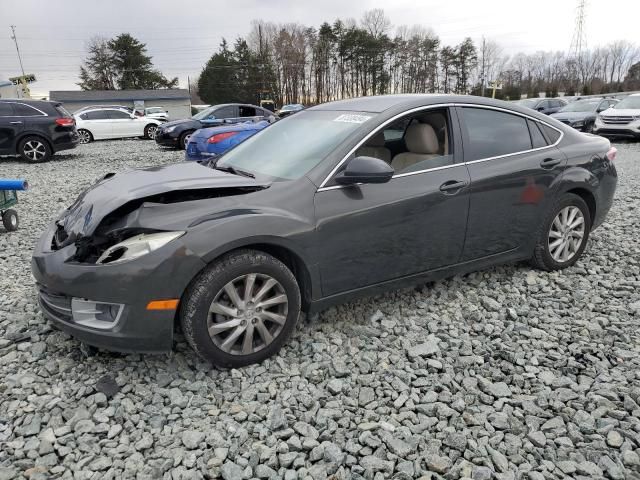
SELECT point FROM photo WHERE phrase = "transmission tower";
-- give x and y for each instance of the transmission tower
(579, 40)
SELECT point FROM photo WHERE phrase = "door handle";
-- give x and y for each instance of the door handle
(550, 162)
(15, 123)
(453, 186)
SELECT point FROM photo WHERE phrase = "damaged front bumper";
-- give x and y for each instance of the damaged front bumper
(106, 305)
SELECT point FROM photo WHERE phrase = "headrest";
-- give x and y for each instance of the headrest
(376, 141)
(421, 138)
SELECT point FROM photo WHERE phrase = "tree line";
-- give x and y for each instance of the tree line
(293, 63)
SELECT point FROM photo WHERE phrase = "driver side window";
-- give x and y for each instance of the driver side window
(416, 142)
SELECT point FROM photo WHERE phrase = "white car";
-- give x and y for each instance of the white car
(105, 123)
(621, 120)
(158, 113)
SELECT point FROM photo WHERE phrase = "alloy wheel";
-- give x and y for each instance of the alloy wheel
(247, 314)
(151, 132)
(85, 136)
(566, 234)
(35, 150)
(186, 140)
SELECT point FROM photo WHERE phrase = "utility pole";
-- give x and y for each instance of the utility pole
(23, 79)
(15, 40)
(579, 40)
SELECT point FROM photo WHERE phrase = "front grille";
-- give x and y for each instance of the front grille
(55, 304)
(617, 120)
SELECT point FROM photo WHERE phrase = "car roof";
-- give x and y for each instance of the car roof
(378, 104)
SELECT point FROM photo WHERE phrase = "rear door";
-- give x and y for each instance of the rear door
(10, 128)
(98, 123)
(512, 163)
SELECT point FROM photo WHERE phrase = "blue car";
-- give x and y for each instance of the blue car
(208, 143)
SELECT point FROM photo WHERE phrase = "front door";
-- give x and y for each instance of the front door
(416, 222)
(123, 125)
(513, 164)
(10, 128)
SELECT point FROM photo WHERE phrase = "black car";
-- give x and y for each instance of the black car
(349, 197)
(542, 105)
(582, 114)
(35, 129)
(177, 133)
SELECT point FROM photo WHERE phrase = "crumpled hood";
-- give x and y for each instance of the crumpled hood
(86, 213)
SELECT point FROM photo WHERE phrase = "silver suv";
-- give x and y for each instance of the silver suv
(621, 120)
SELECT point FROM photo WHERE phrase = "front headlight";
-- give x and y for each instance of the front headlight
(169, 129)
(136, 247)
(579, 123)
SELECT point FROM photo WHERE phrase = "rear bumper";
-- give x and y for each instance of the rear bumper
(163, 274)
(66, 141)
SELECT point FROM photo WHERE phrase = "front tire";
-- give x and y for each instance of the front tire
(34, 149)
(184, 140)
(10, 220)
(150, 131)
(564, 234)
(241, 309)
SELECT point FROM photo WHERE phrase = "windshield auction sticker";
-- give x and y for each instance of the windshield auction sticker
(352, 118)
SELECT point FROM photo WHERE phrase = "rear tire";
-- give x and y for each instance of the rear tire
(10, 220)
(85, 136)
(34, 149)
(564, 234)
(184, 139)
(150, 131)
(241, 309)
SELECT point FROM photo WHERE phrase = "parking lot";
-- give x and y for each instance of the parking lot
(507, 373)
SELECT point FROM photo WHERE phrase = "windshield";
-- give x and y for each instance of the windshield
(632, 101)
(204, 113)
(582, 106)
(290, 148)
(529, 103)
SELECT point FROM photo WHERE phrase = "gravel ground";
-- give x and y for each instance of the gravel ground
(509, 373)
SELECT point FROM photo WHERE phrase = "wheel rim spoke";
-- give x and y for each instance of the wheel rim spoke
(223, 310)
(566, 234)
(233, 295)
(264, 333)
(218, 328)
(247, 343)
(233, 336)
(249, 282)
(273, 301)
(274, 317)
(268, 285)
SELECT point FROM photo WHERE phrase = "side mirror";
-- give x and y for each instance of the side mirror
(365, 170)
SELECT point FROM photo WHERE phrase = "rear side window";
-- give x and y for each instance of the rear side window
(247, 111)
(492, 133)
(22, 110)
(97, 115)
(6, 110)
(62, 111)
(537, 139)
(551, 134)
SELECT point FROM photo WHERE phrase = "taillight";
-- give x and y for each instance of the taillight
(218, 137)
(611, 154)
(65, 122)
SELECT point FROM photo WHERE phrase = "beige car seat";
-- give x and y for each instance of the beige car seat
(375, 148)
(422, 143)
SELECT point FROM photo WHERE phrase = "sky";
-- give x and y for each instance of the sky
(182, 35)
